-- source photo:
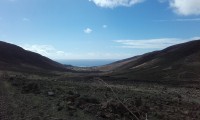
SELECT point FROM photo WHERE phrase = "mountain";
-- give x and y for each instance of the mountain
(177, 63)
(15, 58)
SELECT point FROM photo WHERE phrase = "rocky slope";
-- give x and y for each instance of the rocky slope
(176, 63)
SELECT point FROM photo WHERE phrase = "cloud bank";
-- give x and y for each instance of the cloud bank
(51, 52)
(152, 43)
(115, 3)
(181, 7)
(46, 50)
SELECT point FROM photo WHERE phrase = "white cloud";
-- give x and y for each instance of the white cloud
(25, 19)
(152, 43)
(12, 0)
(180, 20)
(104, 26)
(46, 50)
(87, 30)
(188, 20)
(185, 7)
(115, 3)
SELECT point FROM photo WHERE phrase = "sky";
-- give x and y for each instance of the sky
(98, 29)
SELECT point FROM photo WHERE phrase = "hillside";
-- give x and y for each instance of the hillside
(176, 63)
(15, 58)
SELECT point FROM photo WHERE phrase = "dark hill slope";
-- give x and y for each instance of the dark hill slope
(14, 57)
(176, 63)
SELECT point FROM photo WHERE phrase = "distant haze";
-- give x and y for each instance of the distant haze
(86, 62)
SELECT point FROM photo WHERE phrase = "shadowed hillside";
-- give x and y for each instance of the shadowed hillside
(176, 63)
(14, 57)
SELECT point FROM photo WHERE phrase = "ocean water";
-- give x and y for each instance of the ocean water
(86, 63)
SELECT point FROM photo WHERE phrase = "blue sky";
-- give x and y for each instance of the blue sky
(98, 29)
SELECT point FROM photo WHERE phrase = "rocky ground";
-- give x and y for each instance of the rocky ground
(41, 97)
(3, 102)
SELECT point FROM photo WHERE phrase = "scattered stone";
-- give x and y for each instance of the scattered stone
(11, 78)
(138, 102)
(186, 112)
(114, 107)
(70, 98)
(31, 88)
(92, 108)
(89, 100)
(107, 115)
(60, 108)
(71, 108)
(36, 118)
(71, 113)
(70, 103)
(51, 93)
(70, 93)
(77, 95)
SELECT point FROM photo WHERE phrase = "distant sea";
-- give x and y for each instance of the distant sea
(86, 63)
